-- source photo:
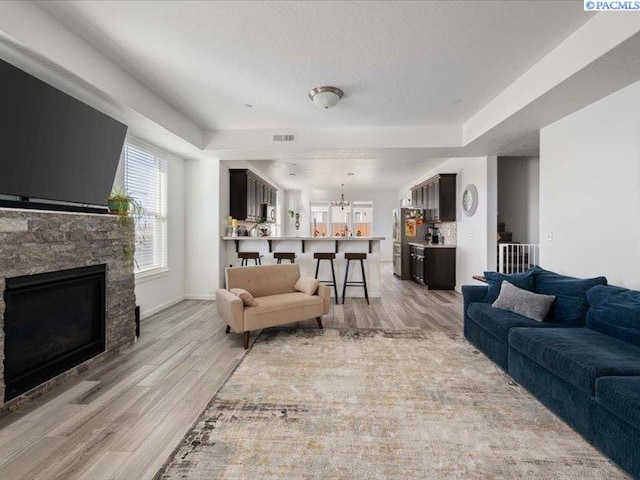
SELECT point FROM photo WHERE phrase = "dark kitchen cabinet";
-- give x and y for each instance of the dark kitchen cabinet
(417, 264)
(437, 197)
(440, 268)
(247, 192)
(434, 267)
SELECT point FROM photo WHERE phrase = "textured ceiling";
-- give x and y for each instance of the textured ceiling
(329, 174)
(399, 63)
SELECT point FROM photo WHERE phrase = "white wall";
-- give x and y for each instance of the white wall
(476, 249)
(158, 292)
(202, 228)
(519, 197)
(590, 190)
(384, 201)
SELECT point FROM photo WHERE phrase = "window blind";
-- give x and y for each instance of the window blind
(145, 177)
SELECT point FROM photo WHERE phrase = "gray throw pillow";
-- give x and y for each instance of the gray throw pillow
(524, 302)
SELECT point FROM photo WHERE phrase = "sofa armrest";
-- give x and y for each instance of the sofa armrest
(324, 292)
(230, 309)
(473, 294)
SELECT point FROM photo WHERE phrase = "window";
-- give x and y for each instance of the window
(331, 220)
(145, 179)
(319, 218)
(362, 219)
(340, 220)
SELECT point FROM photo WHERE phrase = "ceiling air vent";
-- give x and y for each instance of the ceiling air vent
(284, 138)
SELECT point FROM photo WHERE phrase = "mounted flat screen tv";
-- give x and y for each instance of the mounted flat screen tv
(52, 146)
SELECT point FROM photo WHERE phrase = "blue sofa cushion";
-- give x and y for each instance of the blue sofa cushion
(494, 281)
(615, 311)
(621, 396)
(472, 294)
(498, 322)
(577, 355)
(571, 294)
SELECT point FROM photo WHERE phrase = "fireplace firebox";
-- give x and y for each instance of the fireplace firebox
(53, 322)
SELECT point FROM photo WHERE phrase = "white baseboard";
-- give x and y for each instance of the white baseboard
(199, 297)
(147, 313)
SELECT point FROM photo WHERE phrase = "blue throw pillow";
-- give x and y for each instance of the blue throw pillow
(522, 280)
(615, 311)
(571, 303)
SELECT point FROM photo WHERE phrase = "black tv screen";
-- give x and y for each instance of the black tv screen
(53, 146)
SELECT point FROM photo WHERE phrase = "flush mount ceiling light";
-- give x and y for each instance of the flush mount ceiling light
(325, 97)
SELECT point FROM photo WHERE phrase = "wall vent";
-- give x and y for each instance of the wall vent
(288, 138)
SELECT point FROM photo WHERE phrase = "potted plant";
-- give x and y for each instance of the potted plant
(119, 202)
(130, 212)
(254, 231)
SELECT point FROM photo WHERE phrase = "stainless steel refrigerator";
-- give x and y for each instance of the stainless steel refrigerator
(407, 227)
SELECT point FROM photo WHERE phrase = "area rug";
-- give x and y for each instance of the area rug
(337, 404)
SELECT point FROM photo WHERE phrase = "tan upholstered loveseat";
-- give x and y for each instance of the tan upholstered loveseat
(276, 299)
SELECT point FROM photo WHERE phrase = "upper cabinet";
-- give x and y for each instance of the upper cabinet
(247, 194)
(437, 197)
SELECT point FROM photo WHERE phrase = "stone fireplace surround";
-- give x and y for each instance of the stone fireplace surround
(37, 241)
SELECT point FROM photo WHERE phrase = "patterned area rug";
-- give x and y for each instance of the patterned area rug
(335, 404)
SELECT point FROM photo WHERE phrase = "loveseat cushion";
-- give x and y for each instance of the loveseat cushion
(494, 280)
(282, 308)
(615, 311)
(577, 355)
(283, 301)
(571, 294)
(498, 322)
(621, 396)
(263, 280)
(307, 285)
(246, 297)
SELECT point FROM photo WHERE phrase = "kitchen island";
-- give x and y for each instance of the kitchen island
(305, 247)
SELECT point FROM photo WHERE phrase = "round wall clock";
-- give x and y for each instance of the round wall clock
(469, 200)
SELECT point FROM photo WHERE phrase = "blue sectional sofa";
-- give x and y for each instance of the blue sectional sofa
(582, 362)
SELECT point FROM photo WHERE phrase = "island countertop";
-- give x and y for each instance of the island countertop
(320, 239)
(304, 240)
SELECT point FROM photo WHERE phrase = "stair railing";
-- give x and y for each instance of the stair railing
(517, 257)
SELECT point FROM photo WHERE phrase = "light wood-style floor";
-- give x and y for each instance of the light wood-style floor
(124, 418)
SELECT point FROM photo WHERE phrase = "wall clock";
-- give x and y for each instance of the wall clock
(469, 200)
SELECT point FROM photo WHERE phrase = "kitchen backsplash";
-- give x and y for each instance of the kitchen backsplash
(450, 232)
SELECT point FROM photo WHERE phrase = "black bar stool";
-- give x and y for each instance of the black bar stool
(246, 256)
(284, 256)
(331, 257)
(361, 257)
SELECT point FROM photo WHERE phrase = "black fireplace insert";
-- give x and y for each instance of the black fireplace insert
(53, 322)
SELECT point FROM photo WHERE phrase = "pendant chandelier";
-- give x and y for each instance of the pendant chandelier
(342, 202)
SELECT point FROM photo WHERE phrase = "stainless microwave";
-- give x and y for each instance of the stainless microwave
(268, 212)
